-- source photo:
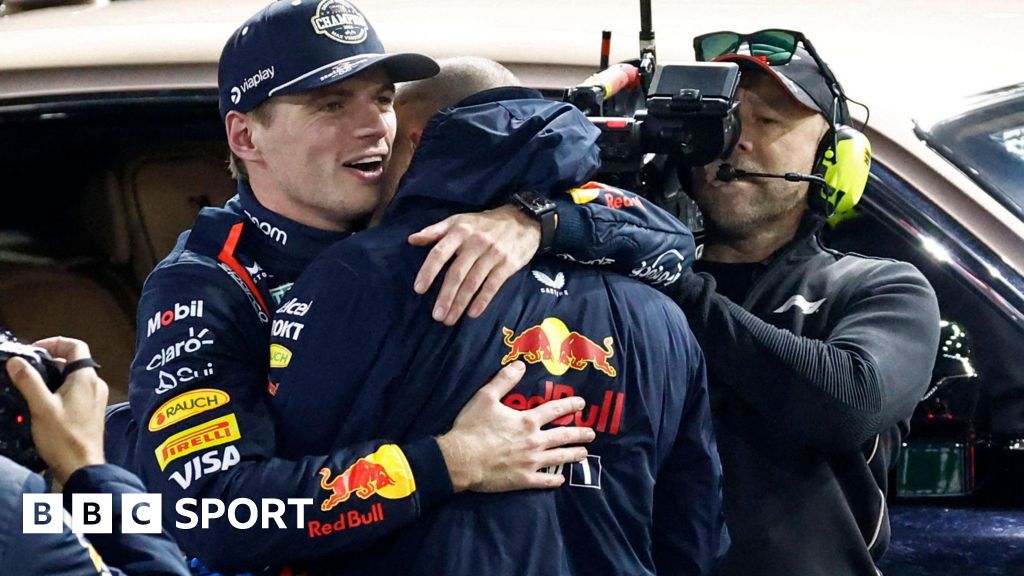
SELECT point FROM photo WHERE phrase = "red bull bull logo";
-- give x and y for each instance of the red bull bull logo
(386, 472)
(575, 351)
(533, 345)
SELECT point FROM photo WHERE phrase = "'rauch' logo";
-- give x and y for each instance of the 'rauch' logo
(340, 21)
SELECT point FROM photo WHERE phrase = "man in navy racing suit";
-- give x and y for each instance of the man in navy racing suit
(310, 129)
(371, 362)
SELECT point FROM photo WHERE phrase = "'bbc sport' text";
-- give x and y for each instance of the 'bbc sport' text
(143, 514)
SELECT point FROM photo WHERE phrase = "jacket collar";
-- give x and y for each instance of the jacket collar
(494, 143)
(281, 234)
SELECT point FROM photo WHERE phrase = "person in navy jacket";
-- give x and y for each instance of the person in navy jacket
(67, 430)
(371, 362)
(310, 129)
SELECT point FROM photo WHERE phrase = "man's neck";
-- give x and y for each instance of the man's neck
(279, 205)
(756, 246)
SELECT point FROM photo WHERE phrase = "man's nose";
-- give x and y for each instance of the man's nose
(372, 123)
(745, 142)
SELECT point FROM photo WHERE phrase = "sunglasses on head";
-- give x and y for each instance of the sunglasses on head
(775, 46)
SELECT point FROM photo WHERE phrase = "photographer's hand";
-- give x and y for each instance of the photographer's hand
(67, 426)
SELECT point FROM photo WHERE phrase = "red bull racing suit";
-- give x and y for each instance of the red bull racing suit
(199, 388)
(370, 362)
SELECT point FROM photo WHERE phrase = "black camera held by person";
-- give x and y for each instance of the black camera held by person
(688, 114)
(15, 432)
(655, 118)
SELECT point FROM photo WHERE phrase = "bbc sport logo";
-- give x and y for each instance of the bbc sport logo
(142, 513)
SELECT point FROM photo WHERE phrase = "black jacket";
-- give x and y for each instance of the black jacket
(813, 379)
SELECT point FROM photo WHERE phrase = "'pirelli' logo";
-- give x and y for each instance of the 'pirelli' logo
(223, 430)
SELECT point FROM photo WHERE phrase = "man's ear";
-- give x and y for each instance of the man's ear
(414, 137)
(239, 129)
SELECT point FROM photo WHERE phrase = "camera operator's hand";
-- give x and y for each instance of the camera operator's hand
(494, 448)
(67, 426)
(487, 247)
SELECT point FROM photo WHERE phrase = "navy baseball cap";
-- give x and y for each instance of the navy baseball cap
(298, 45)
(802, 79)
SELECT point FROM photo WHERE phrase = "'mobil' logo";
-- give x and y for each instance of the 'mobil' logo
(553, 345)
(340, 21)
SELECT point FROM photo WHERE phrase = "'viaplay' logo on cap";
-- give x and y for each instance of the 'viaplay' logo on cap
(250, 83)
(340, 21)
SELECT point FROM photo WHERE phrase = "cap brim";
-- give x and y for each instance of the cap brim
(796, 92)
(401, 67)
(406, 66)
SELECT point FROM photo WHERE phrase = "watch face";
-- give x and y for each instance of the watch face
(535, 203)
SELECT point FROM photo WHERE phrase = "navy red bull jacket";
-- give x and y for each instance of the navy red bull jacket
(67, 553)
(198, 393)
(371, 363)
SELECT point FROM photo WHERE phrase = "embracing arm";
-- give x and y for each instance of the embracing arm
(199, 393)
(597, 225)
(602, 225)
(837, 392)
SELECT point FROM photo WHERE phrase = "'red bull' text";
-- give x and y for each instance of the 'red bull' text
(346, 520)
(604, 418)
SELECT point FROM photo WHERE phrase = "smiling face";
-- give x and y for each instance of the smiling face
(320, 157)
(778, 136)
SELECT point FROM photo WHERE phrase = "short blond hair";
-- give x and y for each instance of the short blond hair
(262, 114)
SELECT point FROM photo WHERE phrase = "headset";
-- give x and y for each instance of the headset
(843, 162)
(843, 157)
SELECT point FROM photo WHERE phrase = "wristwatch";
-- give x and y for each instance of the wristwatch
(543, 211)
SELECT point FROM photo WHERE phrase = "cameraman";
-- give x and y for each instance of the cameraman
(816, 359)
(67, 429)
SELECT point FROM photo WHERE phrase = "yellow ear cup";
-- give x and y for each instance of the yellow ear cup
(846, 171)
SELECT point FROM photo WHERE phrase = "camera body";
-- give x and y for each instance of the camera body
(15, 432)
(687, 116)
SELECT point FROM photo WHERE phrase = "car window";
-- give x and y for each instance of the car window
(987, 144)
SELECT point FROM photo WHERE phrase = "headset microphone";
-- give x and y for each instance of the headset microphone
(727, 173)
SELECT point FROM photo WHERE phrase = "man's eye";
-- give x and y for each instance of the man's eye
(333, 106)
(766, 121)
(386, 100)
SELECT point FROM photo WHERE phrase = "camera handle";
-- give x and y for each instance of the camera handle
(648, 57)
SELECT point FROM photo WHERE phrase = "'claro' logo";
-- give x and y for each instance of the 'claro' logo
(185, 406)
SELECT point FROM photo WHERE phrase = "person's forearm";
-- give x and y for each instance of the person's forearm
(328, 484)
(625, 233)
(833, 393)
